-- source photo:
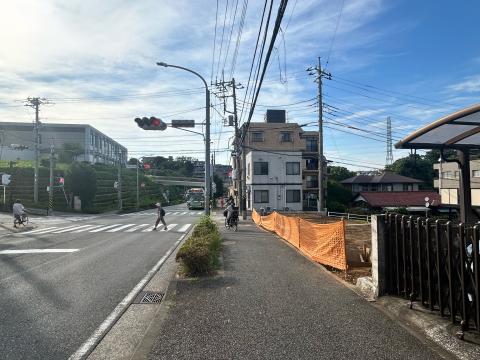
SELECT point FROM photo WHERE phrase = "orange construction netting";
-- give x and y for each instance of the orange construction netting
(323, 243)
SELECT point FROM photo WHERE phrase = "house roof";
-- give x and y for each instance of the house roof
(384, 178)
(398, 198)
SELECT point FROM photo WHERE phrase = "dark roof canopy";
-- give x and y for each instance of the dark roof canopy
(399, 198)
(460, 130)
(384, 178)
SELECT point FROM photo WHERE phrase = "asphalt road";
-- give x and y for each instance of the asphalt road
(53, 301)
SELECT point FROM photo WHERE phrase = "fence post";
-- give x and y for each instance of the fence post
(379, 254)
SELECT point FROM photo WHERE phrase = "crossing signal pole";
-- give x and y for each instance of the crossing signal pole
(319, 73)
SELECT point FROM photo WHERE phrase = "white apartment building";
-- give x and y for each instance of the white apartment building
(274, 180)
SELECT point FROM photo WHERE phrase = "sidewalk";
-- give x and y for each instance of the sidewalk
(270, 302)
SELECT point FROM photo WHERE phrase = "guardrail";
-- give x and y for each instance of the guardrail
(349, 216)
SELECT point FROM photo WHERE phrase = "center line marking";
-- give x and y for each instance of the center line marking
(37, 251)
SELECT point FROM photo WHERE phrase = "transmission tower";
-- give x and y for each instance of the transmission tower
(389, 160)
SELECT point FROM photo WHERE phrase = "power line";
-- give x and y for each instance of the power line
(214, 43)
(221, 42)
(335, 33)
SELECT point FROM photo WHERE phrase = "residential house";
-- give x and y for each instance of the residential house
(386, 181)
(281, 165)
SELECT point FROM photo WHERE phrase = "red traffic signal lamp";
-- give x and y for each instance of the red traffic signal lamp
(60, 181)
(146, 166)
(152, 123)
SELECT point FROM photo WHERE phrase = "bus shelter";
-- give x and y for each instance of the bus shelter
(459, 131)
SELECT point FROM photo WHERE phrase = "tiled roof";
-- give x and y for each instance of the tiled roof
(399, 198)
(384, 178)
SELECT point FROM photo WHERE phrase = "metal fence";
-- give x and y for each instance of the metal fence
(349, 216)
(436, 263)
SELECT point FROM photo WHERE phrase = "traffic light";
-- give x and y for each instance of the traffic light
(151, 123)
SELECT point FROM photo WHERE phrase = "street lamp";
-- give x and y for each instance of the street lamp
(208, 183)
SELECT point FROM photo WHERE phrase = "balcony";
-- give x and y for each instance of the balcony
(311, 184)
(311, 148)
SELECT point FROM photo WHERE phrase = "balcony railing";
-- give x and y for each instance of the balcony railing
(312, 184)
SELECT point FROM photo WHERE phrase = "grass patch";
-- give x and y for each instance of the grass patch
(199, 254)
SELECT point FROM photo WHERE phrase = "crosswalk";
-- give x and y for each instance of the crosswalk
(112, 228)
(172, 213)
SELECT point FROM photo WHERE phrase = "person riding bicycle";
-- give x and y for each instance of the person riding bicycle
(230, 210)
(18, 212)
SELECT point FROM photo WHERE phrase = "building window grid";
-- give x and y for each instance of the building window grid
(293, 168)
(257, 136)
(260, 168)
(260, 196)
(476, 173)
(293, 196)
(286, 136)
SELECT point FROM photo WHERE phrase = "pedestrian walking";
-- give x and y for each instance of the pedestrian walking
(160, 216)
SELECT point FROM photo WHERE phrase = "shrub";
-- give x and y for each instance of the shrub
(199, 254)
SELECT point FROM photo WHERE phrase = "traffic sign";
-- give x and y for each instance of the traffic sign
(131, 166)
(146, 166)
(6, 178)
(183, 123)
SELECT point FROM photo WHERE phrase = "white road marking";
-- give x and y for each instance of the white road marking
(89, 227)
(45, 231)
(175, 213)
(184, 228)
(37, 230)
(170, 227)
(66, 229)
(36, 251)
(199, 213)
(120, 228)
(136, 227)
(104, 228)
(104, 327)
(183, 213)
(148, 229)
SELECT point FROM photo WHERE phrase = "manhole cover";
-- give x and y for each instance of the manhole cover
(151, 297)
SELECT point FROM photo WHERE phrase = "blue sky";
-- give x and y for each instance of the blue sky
(414, 61)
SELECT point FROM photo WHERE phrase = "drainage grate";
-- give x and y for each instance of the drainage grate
(151, 297)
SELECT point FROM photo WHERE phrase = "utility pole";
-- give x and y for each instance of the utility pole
(50, 188)
(238, 182)
(119, 179)
(138, 192)
(320, 73)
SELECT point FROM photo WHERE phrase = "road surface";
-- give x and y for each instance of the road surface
(59, 282)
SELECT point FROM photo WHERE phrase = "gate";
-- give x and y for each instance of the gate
(436, 263)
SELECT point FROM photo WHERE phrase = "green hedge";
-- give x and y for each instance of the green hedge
(199, 254)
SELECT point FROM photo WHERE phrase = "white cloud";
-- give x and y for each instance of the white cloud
(469, 84)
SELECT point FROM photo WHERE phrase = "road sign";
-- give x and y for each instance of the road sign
(6, 179)
(427, 199)
(115, 185)
(131, 166)
(146, 166)
(183, 123)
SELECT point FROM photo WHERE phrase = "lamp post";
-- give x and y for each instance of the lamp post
(208, 183)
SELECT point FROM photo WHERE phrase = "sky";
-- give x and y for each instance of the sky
(412, 61)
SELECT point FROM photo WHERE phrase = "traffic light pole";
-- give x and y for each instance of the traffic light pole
(208, 184)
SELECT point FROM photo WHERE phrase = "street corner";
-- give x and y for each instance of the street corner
(10, 228)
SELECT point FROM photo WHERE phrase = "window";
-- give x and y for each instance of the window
(312, 164)
(260, 168)
(476, 173)
(311, 144)
(260, 196)
(286, 136)
(257, 136)
(407, 187)
(448, 175)
(293, 196)
(293, 168)
(312, 181)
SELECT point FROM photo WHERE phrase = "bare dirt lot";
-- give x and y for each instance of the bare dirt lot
(358, 244)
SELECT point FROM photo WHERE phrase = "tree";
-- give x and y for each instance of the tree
(69, 152)
(219, 184)
(339, 173)
(132, 161)
(81, 180)
(419, 166)
(339, 197)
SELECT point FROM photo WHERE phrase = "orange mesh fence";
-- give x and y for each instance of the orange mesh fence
(324, 243)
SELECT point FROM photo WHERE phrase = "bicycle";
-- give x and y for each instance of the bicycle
(20, 220)
(233, 222)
